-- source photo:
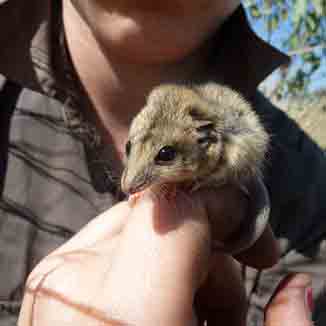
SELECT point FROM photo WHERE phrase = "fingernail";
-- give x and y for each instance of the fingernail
(309, 302)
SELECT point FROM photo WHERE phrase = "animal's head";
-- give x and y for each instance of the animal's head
(169, 140)
(188, 133)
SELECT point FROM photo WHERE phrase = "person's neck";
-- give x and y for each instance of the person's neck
(117, 87)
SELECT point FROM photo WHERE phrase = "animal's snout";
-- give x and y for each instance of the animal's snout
(132, 184)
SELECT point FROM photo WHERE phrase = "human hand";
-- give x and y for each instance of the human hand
(144, 265)
(292, 303)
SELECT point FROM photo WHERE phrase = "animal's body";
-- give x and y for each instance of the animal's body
(198, 135)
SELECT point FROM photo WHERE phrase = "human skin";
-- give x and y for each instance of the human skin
(121, 269)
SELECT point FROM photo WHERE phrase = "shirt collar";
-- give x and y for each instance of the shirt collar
(241, 59)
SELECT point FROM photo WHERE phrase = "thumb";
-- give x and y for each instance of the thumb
(160, 261)
(292, 303)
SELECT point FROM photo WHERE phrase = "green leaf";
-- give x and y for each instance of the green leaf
(307, 56)
(315, 62)
(284, 14)
(294, 41)
(314, 67)
(267, 6)
(299, 10)
(310, 56)
(319, 7)
(254, 11)
(280, 2)
(247, 3)
(274, 22)
(312, 22)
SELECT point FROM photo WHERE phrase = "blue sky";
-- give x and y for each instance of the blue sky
(276, 39)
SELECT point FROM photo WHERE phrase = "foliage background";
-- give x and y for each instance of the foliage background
(297, 27)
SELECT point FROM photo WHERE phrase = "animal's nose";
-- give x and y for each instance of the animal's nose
(131, 185)
(136, 188)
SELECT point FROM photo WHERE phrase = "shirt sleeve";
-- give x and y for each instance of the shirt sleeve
(295, 178)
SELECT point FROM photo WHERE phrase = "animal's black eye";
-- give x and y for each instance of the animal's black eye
(166, 154)
(128, 148)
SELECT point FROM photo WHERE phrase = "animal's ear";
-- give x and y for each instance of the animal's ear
(206, 133)
(200, 118)
(205, 126)
(205, 129)
(199, 113)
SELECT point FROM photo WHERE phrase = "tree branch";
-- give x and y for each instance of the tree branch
(306, 49)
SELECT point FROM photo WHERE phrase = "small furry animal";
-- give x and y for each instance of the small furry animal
(196, 135)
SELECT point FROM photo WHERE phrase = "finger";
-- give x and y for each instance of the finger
(100, 230)
(222, 298)
(267, 245)
(104, 226)
(161, 261)
(26, 311)
(291, 304)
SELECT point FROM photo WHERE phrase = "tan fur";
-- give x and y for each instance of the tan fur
(215, 132)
